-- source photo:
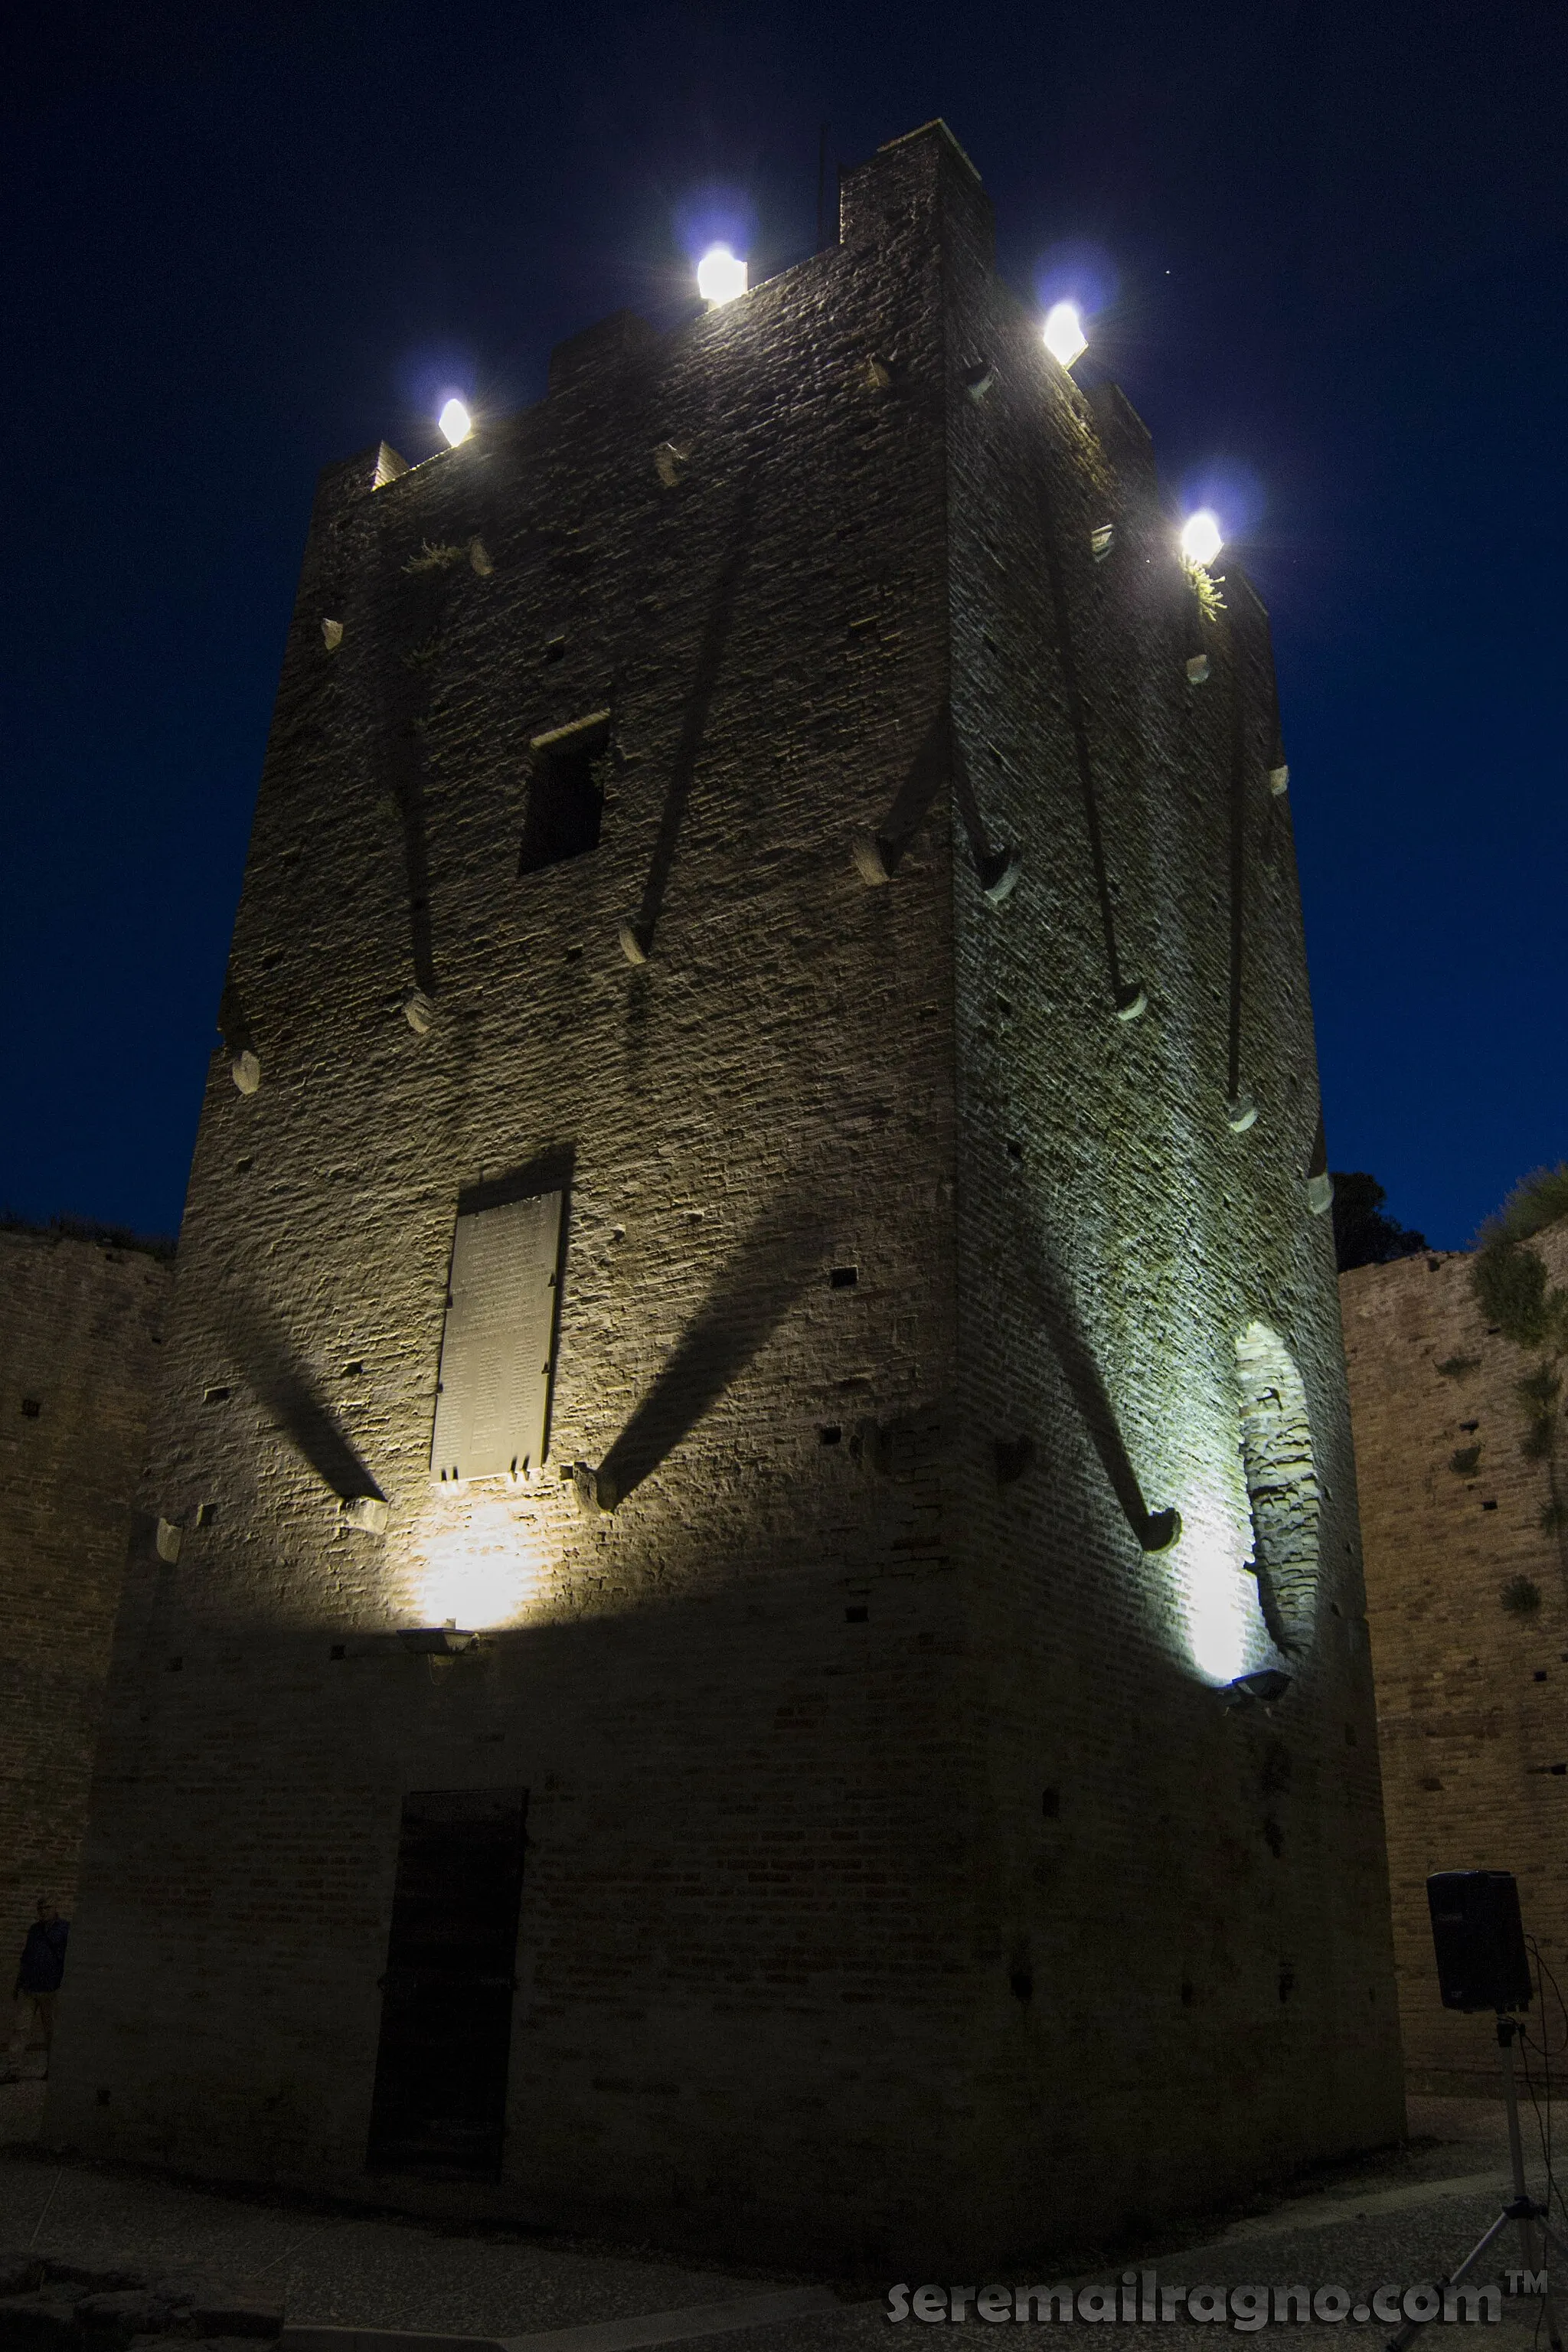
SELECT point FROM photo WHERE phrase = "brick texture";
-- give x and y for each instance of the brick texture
(1472, 1722)
(889, 1838)
(79, 1325)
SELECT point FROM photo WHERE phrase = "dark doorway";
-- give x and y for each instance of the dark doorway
(440, 2104)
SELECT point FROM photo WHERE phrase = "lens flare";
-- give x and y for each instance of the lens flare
(454, 421)
(1201, 537)
(1064, 337)
(721, 275)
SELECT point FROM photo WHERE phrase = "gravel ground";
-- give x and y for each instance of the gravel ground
(1401, 2218)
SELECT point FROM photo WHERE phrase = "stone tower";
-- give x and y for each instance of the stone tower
(744, 1383)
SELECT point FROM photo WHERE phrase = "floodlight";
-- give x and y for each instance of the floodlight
(1201, 541)
(435, 1641)
(454, 421)
(720, 276)
(1064, 337)
(1267, 1685)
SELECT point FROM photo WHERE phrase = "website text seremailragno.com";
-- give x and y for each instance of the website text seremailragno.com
(1143, 2297)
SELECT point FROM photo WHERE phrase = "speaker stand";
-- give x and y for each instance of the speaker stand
(1522, 2210)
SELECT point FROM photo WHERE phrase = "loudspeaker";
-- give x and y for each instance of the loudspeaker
(1478, 1938)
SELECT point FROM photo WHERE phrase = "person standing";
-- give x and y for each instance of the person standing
(38, 1975)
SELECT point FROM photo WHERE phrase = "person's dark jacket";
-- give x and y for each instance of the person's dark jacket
(43, 1957)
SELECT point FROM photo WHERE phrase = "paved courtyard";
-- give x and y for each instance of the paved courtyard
(1401, 2217)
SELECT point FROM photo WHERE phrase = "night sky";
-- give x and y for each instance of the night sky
(1327, 245)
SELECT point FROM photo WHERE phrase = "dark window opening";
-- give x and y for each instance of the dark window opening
(565, 798)
(215, 1396)
(832, 1435)
(844, 1277)
(857, 1616)
(31, 1408)
(439, 2103)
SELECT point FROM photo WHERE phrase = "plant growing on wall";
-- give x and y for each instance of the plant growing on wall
(1205, 587)
(1514, 1294)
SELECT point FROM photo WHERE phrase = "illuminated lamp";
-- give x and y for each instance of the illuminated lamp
(1063, 335)
(1201, 540)
(721, 275)
(454, 421)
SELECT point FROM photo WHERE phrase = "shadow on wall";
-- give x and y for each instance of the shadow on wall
(1051, 1295)
(758, 1285)
(694, 722)
(285, 1388)
(939, 760)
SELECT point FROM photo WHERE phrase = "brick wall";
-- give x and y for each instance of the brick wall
(80, 1323)
(889, 1836)
(1470, 1693)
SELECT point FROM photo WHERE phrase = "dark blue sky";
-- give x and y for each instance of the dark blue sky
(244, 239)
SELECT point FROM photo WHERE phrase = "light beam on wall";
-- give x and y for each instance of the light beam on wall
(476, 1564)
(454, 421)
(1063, 335)
(1225, 1629)
(721, 275)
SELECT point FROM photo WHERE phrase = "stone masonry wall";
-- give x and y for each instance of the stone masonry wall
(1211, 1880)
(1472, 1722)
(79, 1325)
(808, 1958)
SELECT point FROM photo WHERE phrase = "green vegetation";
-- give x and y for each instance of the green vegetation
(1521, 1598)
(1537, 1200)
(89, 1229)
(1205, 588)
(1362, 1234)
(1518, 1298)
(434, 555)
